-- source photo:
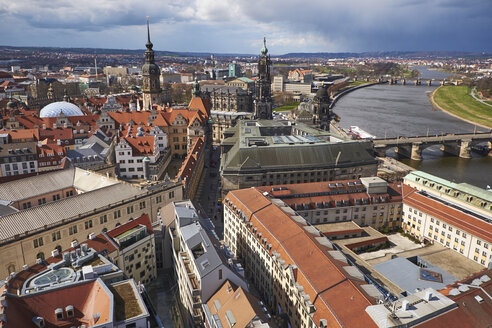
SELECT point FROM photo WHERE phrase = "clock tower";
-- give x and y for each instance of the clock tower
(151, 88)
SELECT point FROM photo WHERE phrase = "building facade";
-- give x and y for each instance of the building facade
(199, 269)
(434, 219)
(265, 152)
(229, 98)
(223, 120)
(299, 273)
(365, 201)
(24, 238)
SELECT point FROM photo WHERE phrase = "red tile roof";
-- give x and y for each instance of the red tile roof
(345, 193)
(189, 164)
(142, 220)
(336, 296)
(91, 298)
(22, 134)
(469, 313)
(201, 104)
(141, 146)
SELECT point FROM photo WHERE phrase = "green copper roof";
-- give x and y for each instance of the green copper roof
(264, 50)
(462, 187)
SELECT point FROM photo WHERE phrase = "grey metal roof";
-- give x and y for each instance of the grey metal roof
(193, 235)
(37, 185)
(41, 184)
(36, 218)
(405, 275)
(298, 155)
(267, 144)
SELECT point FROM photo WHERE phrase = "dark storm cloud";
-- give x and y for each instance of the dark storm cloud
(316, 25)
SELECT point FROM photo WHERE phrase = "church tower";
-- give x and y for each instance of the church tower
(263, 99)
(321, 109)
(151, 88)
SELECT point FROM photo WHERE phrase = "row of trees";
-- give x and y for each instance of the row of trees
(484, 86)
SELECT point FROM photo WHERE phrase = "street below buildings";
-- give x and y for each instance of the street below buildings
(208, 195)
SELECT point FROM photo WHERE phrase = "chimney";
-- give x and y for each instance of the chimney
(92, 236)
(55, 253)
(404, 305)
(74, 244)
(58, 142)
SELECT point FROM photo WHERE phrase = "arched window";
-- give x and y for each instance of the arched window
(104, 230)
(117, 225)
(59, 249)
(40, 256)
(11, 268)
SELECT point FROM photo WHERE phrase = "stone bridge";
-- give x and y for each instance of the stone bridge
(457, 144)
(405, 81)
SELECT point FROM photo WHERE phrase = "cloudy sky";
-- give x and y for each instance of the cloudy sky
(238, 26)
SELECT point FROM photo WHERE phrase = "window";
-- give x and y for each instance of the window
(56, 197)
(117, 214)
(103, 219)
(88, 224)
(72, 230)
(40, 255)
(55, 236)
(171, 194)
(41, 201)
(38, 242)
(142, 205)
(158, 199)
(129, 209)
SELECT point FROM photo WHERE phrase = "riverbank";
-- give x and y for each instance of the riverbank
(348, 90)
(457, 101)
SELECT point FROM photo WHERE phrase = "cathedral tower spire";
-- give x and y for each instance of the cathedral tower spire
(151, 88)
(263, 98)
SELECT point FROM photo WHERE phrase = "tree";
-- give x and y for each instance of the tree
(181, 93)
(283, 98)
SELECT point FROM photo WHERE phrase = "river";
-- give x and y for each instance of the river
(397, 110)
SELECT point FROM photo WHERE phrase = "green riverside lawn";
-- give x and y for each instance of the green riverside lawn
(458, 101)
(287, 107)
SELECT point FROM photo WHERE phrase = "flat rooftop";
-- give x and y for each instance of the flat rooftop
(338, 227)
(127, 301)
(453, 262)
(410, 277)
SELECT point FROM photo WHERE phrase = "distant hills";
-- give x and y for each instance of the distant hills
(323, 55)
(392, 54)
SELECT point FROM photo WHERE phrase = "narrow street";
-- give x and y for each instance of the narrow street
(208, 192)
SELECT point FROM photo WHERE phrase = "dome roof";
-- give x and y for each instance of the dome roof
(56, 108)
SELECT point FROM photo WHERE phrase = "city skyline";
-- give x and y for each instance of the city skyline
(238, 26)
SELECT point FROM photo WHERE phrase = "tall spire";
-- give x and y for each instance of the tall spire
(264, 50)
(149, 44)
